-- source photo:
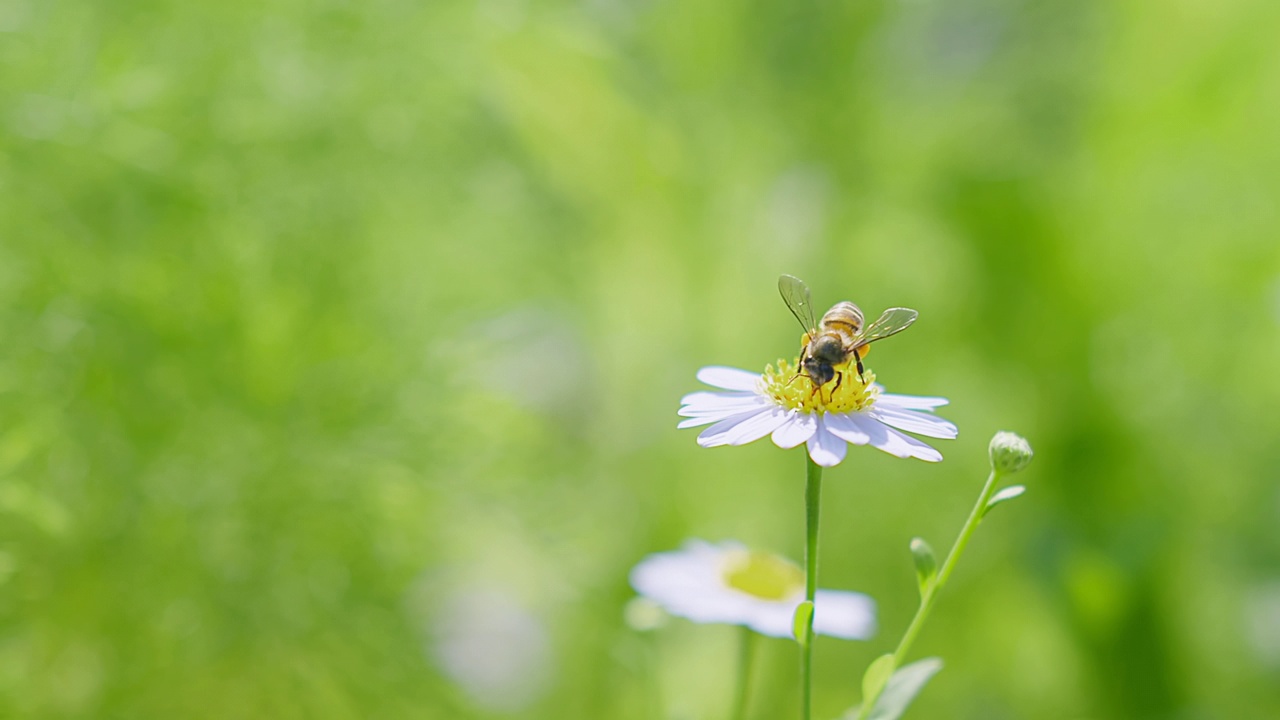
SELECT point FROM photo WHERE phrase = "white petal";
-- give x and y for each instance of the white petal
(759, 426)
(663, 575)
(844, 428)
(714, 397)
(798, 428)
(841, 614)
(728, 378)
(724, 432)
(919, 449)
(726, 407)
(916, 422)
(775, 619)
(688, 583)
(761, 422)
(701, 420)
(722, 409)
(894, 442)
(825, 448)
(911, 402)
(704, 415)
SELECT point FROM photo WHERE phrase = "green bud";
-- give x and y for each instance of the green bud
(926, 565)
(1010, 452)
(801, 622)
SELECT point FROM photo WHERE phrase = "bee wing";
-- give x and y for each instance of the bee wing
(890, 322)
(796, 295)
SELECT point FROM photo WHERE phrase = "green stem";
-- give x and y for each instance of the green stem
(746, 651)
(812, 500)
(935, 587)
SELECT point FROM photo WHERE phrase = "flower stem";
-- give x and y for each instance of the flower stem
(935, 587)
(812, 500)
(746, 650)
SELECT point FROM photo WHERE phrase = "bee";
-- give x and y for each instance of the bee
(840, 335)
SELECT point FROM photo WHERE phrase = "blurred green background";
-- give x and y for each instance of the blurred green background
(342, 344)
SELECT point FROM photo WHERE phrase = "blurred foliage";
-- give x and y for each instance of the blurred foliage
(343, 343)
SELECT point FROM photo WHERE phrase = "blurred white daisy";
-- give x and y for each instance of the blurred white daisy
(727, 583)
(855, 411)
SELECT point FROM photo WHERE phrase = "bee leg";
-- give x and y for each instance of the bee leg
(816, 389)
(860, 368)
(839, 378)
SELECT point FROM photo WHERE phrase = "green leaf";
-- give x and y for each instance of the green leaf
(901, 689)
(926, 564)
(800, 622)
(878, 673)
(1008, 493)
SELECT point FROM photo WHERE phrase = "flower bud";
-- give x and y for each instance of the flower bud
(1010, 452)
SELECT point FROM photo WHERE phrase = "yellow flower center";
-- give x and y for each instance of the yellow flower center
(791, 388)
(763, 575)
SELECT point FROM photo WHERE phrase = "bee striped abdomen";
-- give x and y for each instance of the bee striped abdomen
(844, 318)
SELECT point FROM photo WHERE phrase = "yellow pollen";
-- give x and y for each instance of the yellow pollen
(791, 388)
(763, 575)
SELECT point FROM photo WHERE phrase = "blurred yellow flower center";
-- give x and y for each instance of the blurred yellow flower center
(763, 575)
(790, 387)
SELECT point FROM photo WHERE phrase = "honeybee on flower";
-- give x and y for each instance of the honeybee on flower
(854, 411)
(840, 336)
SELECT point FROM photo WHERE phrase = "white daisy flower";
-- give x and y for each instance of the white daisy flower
(727, 583)
(855, 410)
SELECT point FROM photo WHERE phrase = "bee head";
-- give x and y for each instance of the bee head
(818, 371)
